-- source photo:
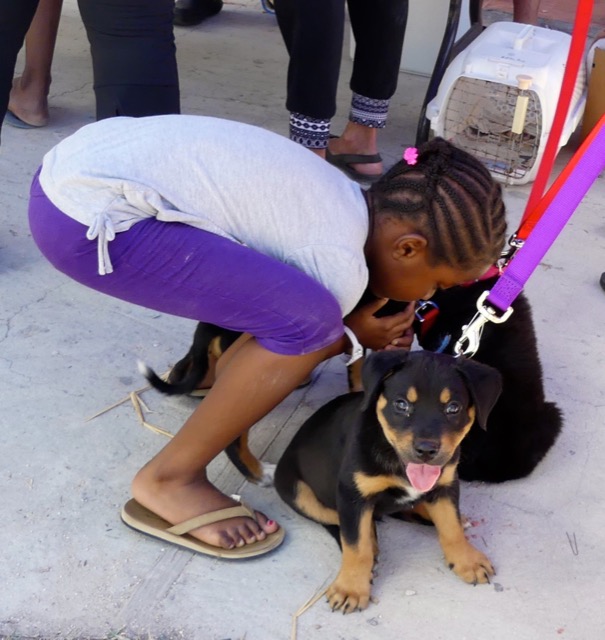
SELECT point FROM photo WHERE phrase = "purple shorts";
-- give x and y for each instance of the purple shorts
(183, 271)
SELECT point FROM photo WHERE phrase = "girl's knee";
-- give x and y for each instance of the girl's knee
(328, 325)
(314, 326)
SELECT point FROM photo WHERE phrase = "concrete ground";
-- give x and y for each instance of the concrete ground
(70, 569)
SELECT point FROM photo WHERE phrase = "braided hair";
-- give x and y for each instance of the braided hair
(451, 199)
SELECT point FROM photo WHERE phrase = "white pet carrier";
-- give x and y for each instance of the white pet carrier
(498, 97)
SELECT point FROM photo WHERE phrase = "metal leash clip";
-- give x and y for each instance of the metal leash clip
(508, 253)
(468, 343)
(423, 308)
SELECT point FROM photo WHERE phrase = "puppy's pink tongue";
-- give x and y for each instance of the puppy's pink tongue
(423, 476)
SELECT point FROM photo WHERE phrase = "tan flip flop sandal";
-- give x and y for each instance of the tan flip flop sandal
(138, 517)
(196, 393)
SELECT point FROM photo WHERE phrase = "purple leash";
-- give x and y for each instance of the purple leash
(495, 305)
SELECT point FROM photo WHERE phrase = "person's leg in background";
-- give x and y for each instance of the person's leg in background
(191, 12)
(15, 19)
(133, 56)
(378, 28)
(526, 11)
(28, 103)
(313, 32)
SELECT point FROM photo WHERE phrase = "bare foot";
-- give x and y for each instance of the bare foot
(176, 502)
(29, 103)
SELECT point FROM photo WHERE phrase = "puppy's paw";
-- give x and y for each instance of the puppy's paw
(470, 564)
(348, 597)
(267, 474)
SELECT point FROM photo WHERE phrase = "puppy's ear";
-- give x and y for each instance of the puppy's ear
(376, 368)
(484, 384)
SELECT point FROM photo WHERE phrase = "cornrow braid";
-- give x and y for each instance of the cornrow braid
(451, 199)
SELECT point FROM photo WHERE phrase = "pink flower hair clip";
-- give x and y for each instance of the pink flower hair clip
(410, 155)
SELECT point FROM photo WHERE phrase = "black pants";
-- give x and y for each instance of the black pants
(15, 18)
(133, 56)
(313, 31)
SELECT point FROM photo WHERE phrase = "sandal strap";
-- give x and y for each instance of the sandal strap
(353, 158)
(210, 518)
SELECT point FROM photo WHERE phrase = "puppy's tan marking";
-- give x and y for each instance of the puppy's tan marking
(412, 394)
(214, 348)
(354, 376)
(451, 440)
(351, 589)
(448, 474)
(372, 485)
(400, 441)
(421, 510)
(307, 502)
(445, 396)
(467, 562)
(248, 459)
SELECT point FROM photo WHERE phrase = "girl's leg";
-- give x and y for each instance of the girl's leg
(188, 272)
(174, 483)
(313, 32)
(29, 95)
(378, 28)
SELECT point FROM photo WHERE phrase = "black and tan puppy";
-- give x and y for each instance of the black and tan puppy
(209, 343)
(522, 426)
(393, 448)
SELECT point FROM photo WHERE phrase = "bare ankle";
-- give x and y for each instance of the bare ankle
(359, 134)
(153, 480)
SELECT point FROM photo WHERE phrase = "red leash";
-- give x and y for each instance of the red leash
(536, 204)
(569, 190)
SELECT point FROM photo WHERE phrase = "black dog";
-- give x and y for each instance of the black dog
(522, 426)
(392, 448)
(209, 341)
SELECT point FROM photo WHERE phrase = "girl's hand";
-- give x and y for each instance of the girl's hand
(403, 342)
(388, 332)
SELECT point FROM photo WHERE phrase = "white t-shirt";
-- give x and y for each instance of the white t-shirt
(236, 180)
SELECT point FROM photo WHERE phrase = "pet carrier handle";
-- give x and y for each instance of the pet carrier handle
(523, 37)
(569, 189)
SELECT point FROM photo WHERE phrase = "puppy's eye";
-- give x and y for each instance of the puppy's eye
(452, 408)
(402, 407)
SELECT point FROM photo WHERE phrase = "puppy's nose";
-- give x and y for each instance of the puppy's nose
(426, 449)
